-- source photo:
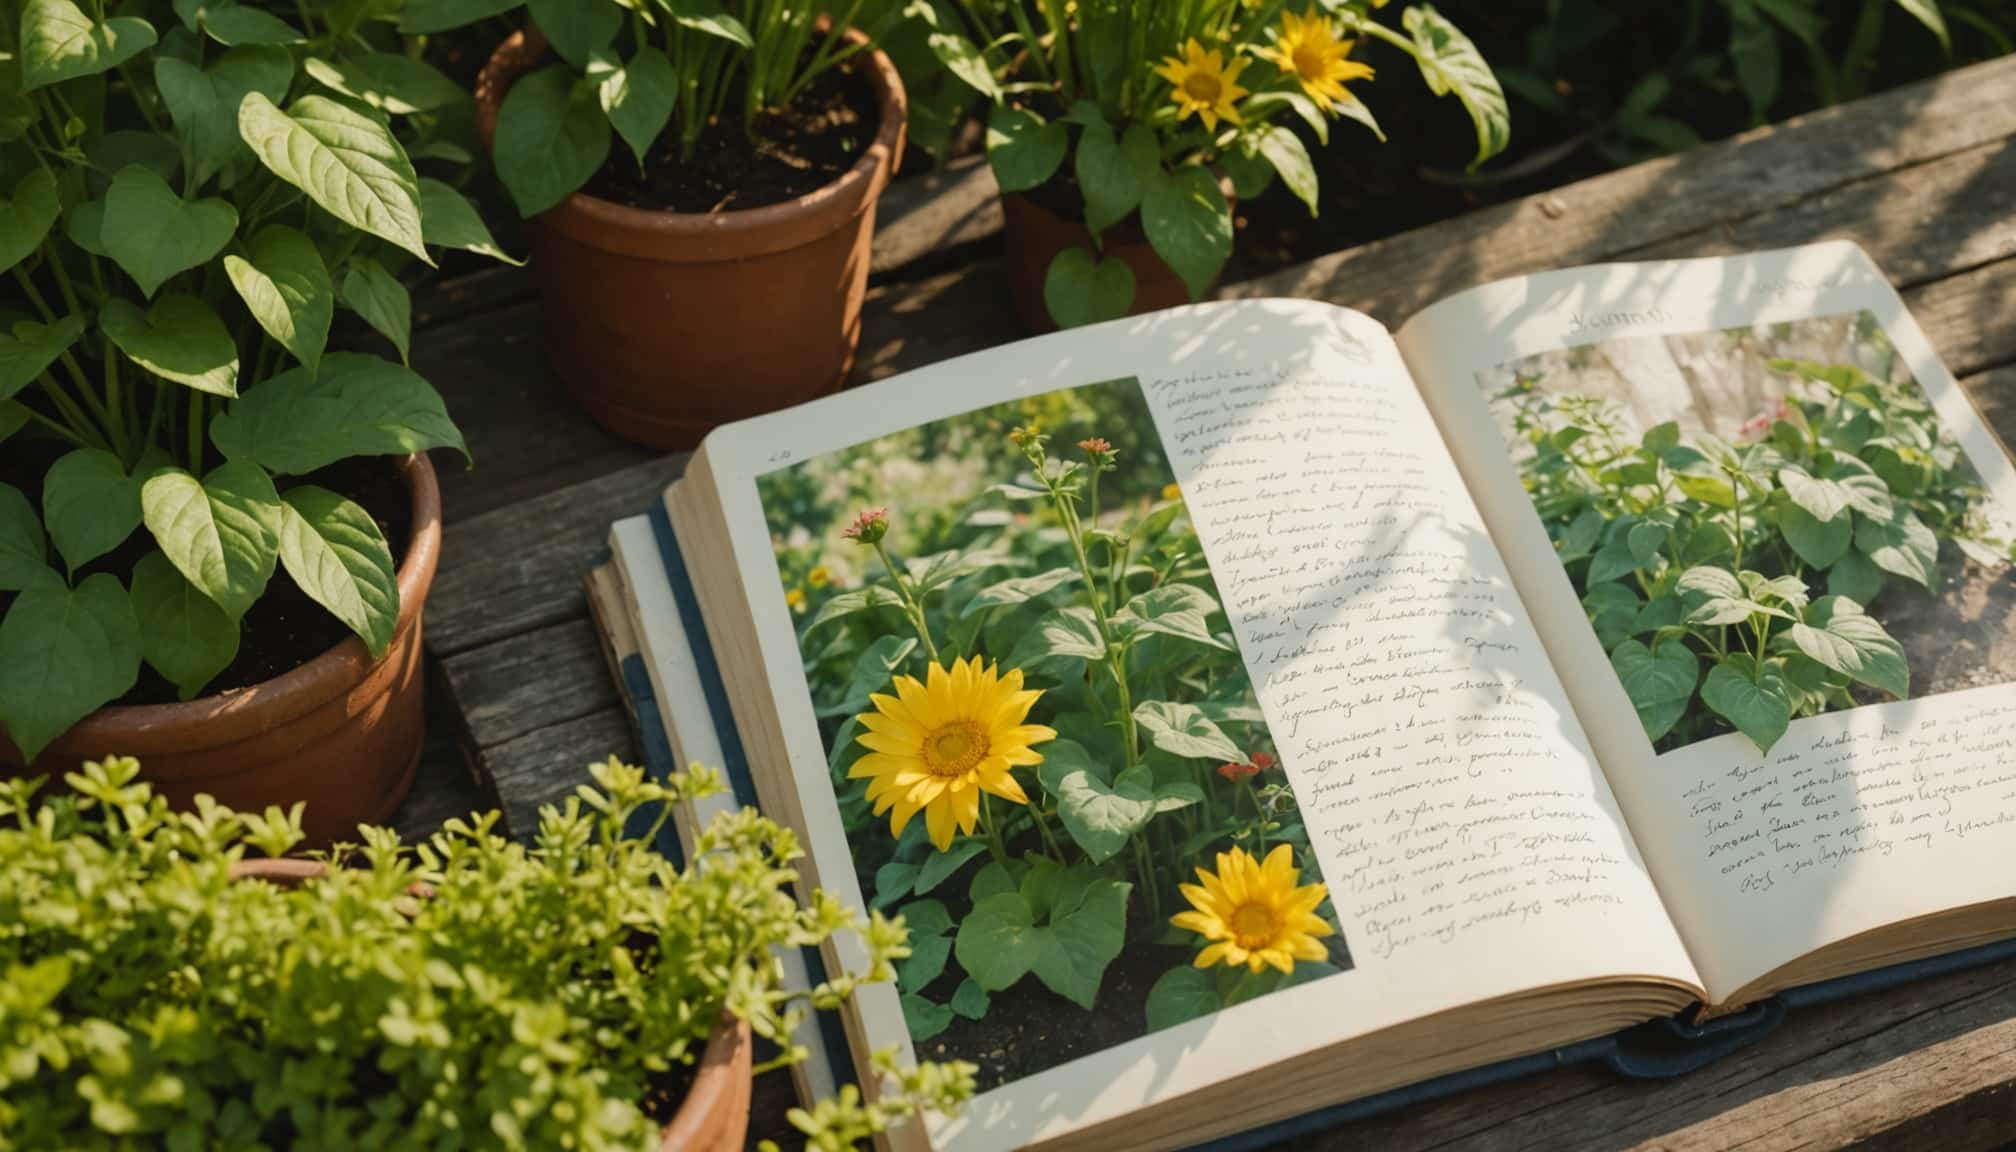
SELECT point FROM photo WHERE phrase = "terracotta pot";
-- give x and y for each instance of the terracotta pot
(665, 324)
(1035, 235)
(714, 1117)
(341, 732)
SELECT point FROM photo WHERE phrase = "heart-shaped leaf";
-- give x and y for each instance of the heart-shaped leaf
(26, 219)
(1837, 633)
(32, 348)
(398, 84)
(1902, 546)
(1019, 589)
(1024, 149)
(1180, 610)
(1189, 225)
(997, 942)
(336, 554)
(178, 339)
(1079, 945)
(381, 300)
(90, 504)
(1660, 681)
(204, 101)
(637, 96)
(551, 137)
(23, 554)
(1100, 817)
(59, 42)
(452, 222)
(423, 17)
(1067, 633)
(1080, 290)
(576, 30)
(287, 289)
(1760, 708)
(64, 653)
(221, 532)
(1114, 172)
(153, 234)
(1184, 730)
(1180, 996)
(230, 23)
(358, 405)
(186, 637)
(347, 162)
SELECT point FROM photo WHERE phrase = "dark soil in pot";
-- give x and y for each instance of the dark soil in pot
(284, 629)
(785, 154)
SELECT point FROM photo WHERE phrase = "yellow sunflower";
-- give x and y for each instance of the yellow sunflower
(1253, 913)
(934, 747)
(1310, 50)
(1205, 84)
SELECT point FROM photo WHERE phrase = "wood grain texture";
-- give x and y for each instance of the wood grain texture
(928, 222)
(509, 687)
(545, 766)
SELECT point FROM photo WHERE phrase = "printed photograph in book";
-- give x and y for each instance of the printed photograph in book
(1764, 523)
(1044, 744)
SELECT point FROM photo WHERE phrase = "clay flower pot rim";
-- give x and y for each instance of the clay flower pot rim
(324, 678)
(725, 1066)
(854, 182)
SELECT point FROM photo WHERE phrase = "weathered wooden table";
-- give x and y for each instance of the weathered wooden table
(1923, 177)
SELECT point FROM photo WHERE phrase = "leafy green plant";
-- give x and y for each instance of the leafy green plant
(1734, 583)
(1041, 734)
(193, 192)
(1148, 102)
(644, 70)
(467, 991)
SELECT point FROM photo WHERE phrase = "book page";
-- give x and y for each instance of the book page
(1767, 539)
(1198, 729)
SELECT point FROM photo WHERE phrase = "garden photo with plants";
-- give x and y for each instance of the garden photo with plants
(1763, 524)
(1042, 738)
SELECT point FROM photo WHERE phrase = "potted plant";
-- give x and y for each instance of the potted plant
(713, 267)
(1122, 134)
(461, 992)
(201, 212)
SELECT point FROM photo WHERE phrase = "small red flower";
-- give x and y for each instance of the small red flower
(1262, 762)
(1096, 446)
(869, 527)
(1238, 772)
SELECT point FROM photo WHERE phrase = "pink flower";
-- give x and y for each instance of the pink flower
(869, 527)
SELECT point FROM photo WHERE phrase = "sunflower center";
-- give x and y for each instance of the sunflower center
(1310, 61)
(1202, 87)
(1253, 926)
(954, 748)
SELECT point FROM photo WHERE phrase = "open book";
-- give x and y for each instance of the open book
(1249, 709)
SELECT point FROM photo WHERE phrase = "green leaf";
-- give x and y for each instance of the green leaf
(27, 218)
(59, 42)
(153, 234)
(287, 289)
(336, 554)
(970, 1000)
(1760, 709)
(1902, 546)
(1077, 948)
(13, 417)
(552, 137)
(1712, 582)
(185, 636)
(1451, 63)
(1753, 48)
(1713, 490)
(939, 867)
(1019, 589)
(638, 96)
(1189, 225)
(381, 300)
(346, 161)
(925, 962)
(1644, 541)
(90, 505)
(1067, 633)
(221, 532)
(23, 554)
(892, 882)
(1180, 996)
(1179, 610)
(1927, 12)
(178, 339)
(962, 59)
(849, 603)
(923, 1018)
(452, 222)
(1114, 171)
(576, 28)
(1867, 492)
(204, 101)
(358, 405)
(422, 17)
(1024, 149)
(1099, 817)
(64, 654)
(1818, 543)
(707, 16)
(235, 24)
(1823, 499)
(1660, 681)
(1283, 149)
(394, 83)
(1855, 577)
(1079, 289)
(926, 918)
(1184, 730)
(32, 348)
(998, 942)
(1611, 608)
(991, 880)
(1838, 634)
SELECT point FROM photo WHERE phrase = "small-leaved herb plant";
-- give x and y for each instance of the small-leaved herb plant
(1733, 583)
(650, 71)
(192, 198)
(1143, 106)
(467, 991)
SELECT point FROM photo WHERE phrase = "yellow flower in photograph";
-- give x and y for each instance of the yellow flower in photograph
(1254, 914)
(819, 577)
(795, 597)
(1171, 492)
(935, 747)
(1310, 50)
(1205, 84)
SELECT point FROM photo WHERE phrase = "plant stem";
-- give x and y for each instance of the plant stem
(1043, 829)
(1145, 865)
(911, 607)
(995, 845)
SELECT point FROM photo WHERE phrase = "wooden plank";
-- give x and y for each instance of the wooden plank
(543, 767)
(925, 223)
(514, 686)
(519, 568)
(444, 786)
